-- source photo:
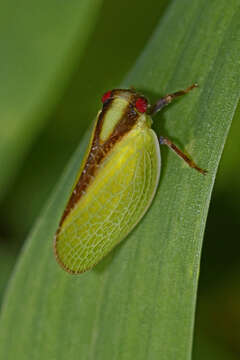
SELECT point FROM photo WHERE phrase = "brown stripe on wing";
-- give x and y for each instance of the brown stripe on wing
(99, 151)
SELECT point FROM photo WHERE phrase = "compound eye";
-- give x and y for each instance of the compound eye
(141, 105)
(106, 96)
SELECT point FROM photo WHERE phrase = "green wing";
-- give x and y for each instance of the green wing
(115, 201)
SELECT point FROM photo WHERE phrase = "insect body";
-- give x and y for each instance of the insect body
(117, 181)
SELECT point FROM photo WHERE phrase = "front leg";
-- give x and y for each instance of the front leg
(168, 98)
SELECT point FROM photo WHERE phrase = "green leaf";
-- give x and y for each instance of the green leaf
(40, 44)
(139, 302)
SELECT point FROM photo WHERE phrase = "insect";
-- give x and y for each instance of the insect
(117, 180)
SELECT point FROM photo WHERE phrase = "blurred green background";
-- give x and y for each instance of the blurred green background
(61, 117)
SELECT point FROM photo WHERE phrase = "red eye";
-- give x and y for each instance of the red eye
(141, 105)
(106, 96)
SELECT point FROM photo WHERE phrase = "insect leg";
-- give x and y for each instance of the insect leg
(172, 146)
(168, 98)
